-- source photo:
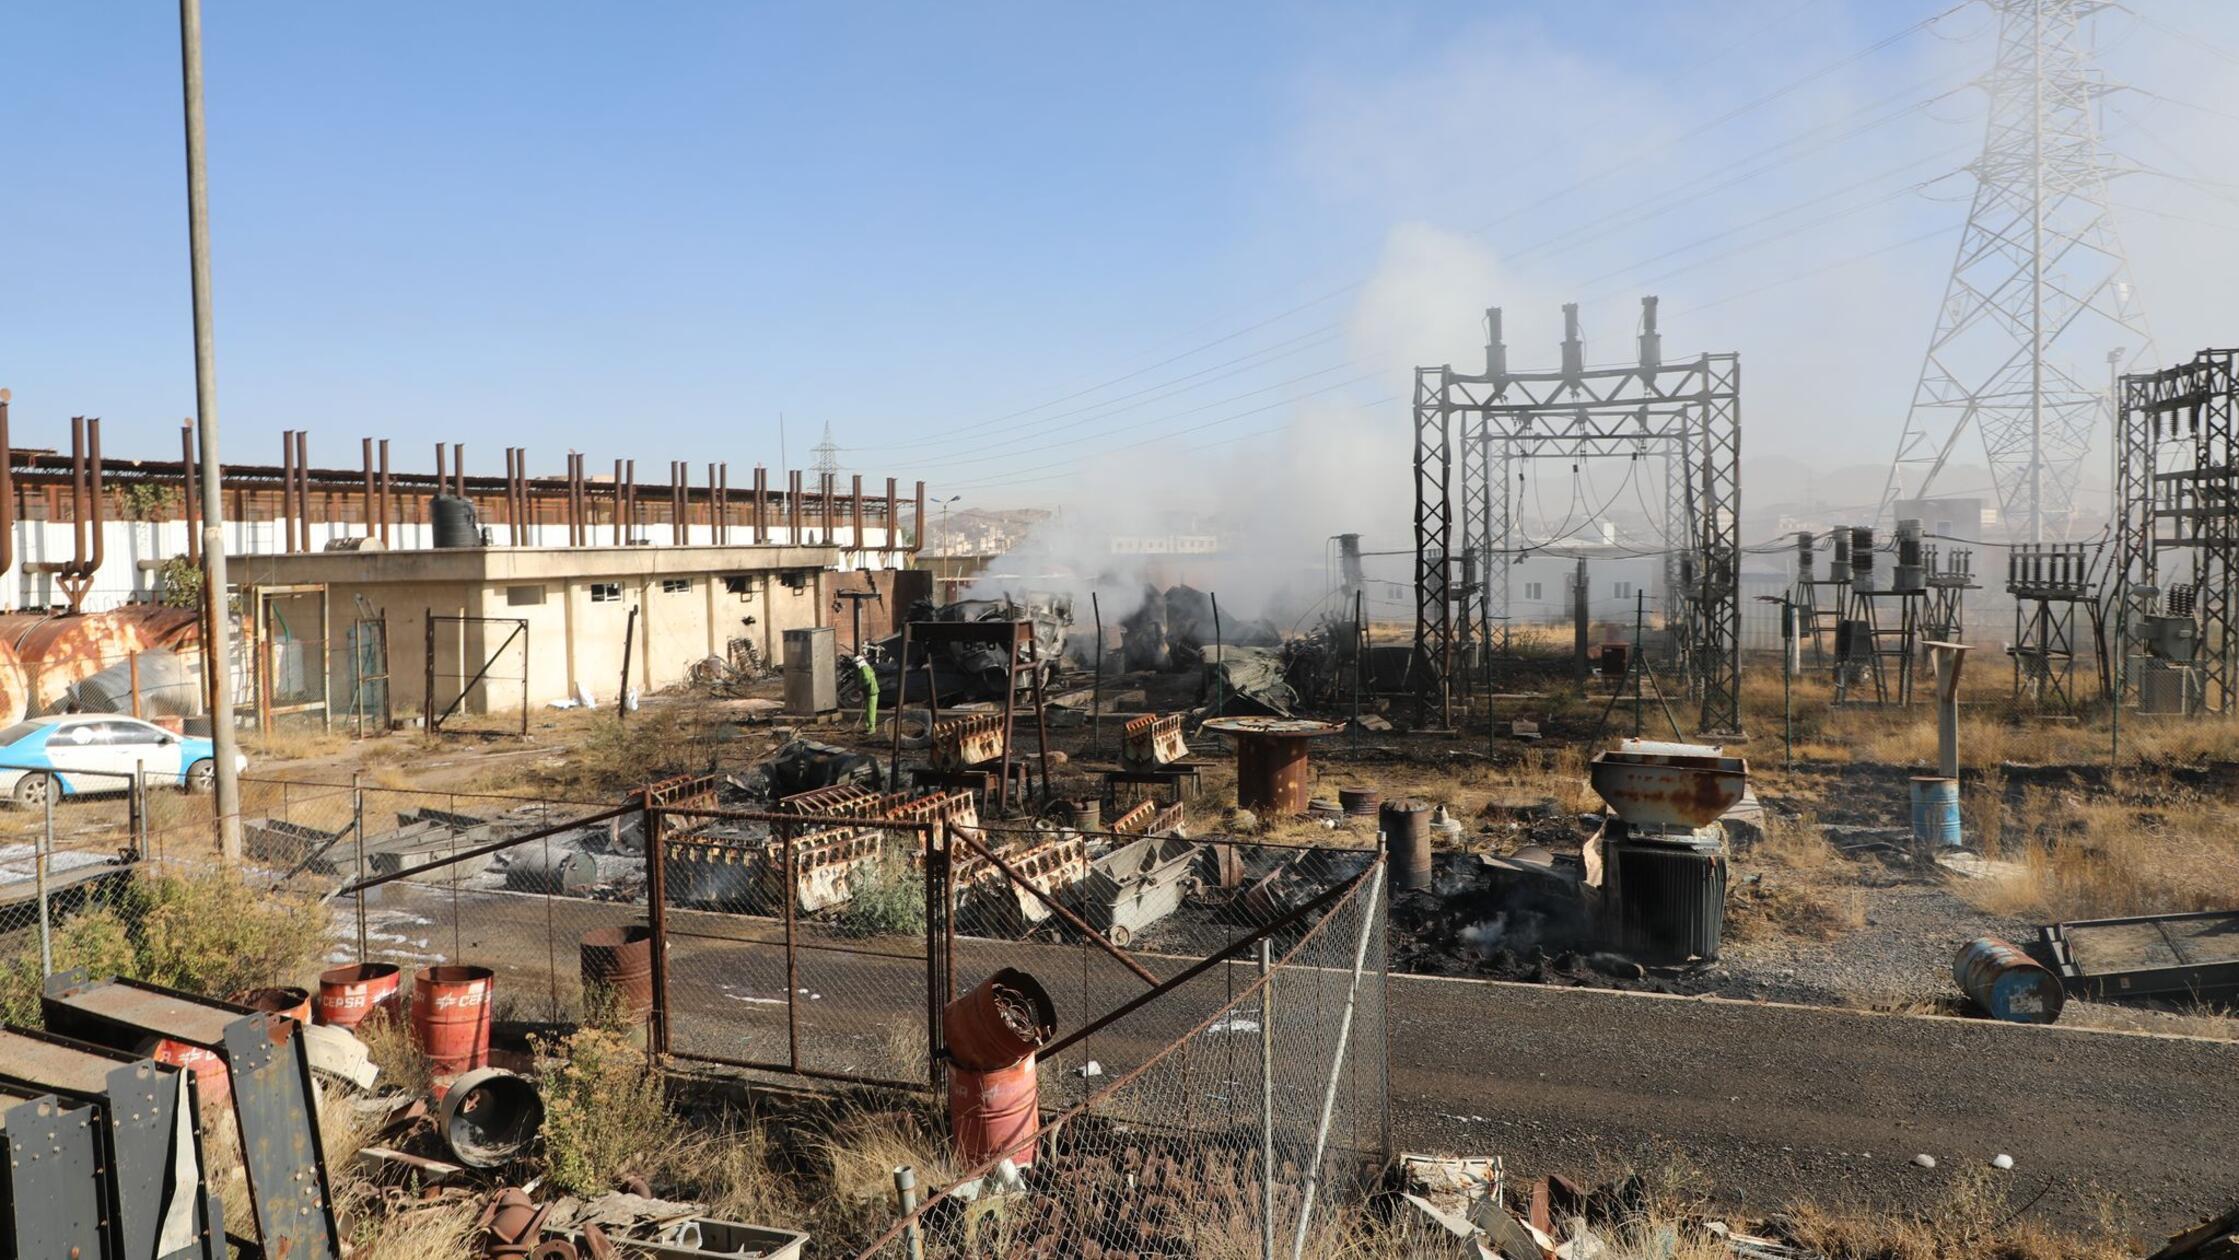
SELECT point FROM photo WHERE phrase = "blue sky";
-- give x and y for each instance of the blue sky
(942, 228)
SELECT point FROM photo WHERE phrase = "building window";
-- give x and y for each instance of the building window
(736, 584)
(1624, 590)
(676, 586)
(1532, 592)
(524, 596)
(606, 592)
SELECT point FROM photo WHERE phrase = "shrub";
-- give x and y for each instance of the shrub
(97, 940)
(888, 899)
(604, 1114)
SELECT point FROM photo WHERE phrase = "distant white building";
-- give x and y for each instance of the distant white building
(1542, 585)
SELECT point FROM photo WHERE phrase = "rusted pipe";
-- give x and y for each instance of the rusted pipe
(917, 544)
(458, 468)
(857, 541)
(388, 499)
(192, 484)
(828, 488)
(793, 515)
(761, 525)
(719, 487)
(366, 451)
(893, 539)
(629, 496)
(77, 496)
(676, 502)
(93, 440)
(302, 484)
(442, 477)
(618, 539)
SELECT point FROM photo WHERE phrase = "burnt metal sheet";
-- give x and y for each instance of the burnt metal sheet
(1668, 785)
(157, 1206)
(2178, 956)
(275, 1108)
(52, 1177)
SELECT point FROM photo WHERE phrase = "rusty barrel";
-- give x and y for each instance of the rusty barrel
(1359, 802)
(289, 1001)
(1406, 828)
(1087, 813)
(1271, 773)
(212, 1082)
(619, 961)
(2007, 983)
(451, 1018)
(1002, 1020)
(1935, 811)
(348, 996)
(995, 1112)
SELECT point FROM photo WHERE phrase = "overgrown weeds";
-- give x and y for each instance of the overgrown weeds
(206, 932)
(605, 1116)
(1977, 1219)
(887, 898)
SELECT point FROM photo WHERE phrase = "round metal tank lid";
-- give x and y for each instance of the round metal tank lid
(1270, 726)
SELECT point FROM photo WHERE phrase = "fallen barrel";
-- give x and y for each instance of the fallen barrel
(1002, 1020)
(289, 1001)
(2007, 983)
(489, 1116)
(349, 995)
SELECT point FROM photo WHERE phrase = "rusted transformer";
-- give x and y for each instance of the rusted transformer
(55, 651)
(1663, 855)
(1152, 740)
(828, 865)
(1137, 884)
(967, 743)
(1272, 774)
(990, 901)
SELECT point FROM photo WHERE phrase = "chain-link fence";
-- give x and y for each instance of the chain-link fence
(1236, 1109)
(370, 875)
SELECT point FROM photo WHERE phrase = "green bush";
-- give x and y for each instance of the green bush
(604, 1114)
(208, 932)
(887, 899)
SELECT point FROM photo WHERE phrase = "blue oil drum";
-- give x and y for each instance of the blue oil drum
(2007, 983)
(1935, 812)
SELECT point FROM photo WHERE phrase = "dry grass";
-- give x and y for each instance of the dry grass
(2153, 849)
(1979, 1218)
(2197, 1019)
(1794, 884)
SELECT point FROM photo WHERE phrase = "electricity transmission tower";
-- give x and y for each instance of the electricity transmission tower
(2040, 281)
(827, 454)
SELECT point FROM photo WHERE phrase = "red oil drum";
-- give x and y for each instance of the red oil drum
(991, 1113)
(350, 995)
(290, 1001)
(451, 1018)
(1002, 1020)
(619, 961)
(212, 1082)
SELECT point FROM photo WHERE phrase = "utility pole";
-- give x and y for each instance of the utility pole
(217, 650)
(1578, 624)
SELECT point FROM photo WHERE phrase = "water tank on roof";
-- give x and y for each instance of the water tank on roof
(455, 523)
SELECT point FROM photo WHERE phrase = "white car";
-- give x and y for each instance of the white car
(90, 753)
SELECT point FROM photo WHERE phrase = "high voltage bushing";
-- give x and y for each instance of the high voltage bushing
(1803, 554)
(1911, 576)
(1838, 566)
(1862, 558)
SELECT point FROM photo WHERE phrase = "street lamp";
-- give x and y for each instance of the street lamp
(948, 547)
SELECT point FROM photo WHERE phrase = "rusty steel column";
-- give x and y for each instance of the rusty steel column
(828, 488)
(893, 540)
(793, 483)
(629, 496)
(367, 446)
(857, 541)
(287, 490)
(618, 539)
(191, 509)
(918, 544)
(93, 496)
(388, 498)
(303, 485)
(458, 468)
(761, 532)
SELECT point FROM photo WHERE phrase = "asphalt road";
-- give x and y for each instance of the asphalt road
(1767, 1104)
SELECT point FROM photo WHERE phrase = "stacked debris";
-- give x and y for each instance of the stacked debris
(970, 671)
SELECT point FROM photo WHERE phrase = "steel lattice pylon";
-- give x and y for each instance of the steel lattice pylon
(2039, 265)
(1688, 412)
(2177, 541)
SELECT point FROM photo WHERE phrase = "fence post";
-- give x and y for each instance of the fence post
(1337, 1057)
(136, 803)
(1266, 1099)
(39, 867)
(656, 917)
(132, 671)
(357, 834)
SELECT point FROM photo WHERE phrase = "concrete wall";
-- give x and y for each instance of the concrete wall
(135, 550)
(691, 602)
